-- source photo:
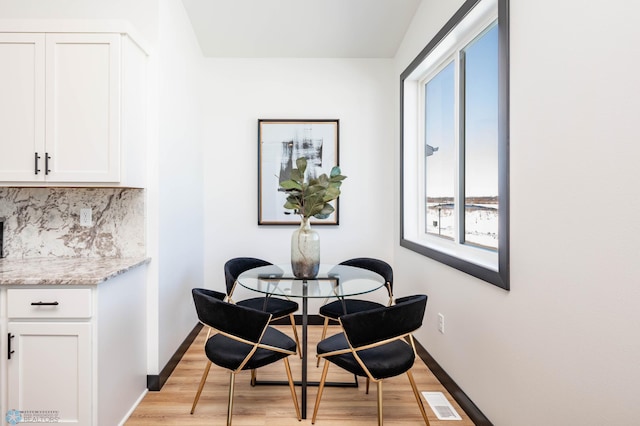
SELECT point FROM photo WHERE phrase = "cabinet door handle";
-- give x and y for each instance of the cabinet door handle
(44, 303)
(9, 351)
(46, 163)
(36, 158)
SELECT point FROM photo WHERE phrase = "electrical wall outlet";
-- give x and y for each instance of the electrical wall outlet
(441, 323)
(85, 217)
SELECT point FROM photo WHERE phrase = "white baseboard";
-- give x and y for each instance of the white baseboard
(133, 408)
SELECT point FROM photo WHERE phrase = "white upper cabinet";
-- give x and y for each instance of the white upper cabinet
(21, 105)
(74, 111)
(82, 108)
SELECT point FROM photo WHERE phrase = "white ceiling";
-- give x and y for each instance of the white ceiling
(300, 28)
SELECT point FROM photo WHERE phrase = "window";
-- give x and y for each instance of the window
(454, 137)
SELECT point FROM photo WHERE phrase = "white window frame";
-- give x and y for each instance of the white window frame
(471, 20)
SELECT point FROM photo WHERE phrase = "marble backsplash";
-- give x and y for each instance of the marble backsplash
(45, 222)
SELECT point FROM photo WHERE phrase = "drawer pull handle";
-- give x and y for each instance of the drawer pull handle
(44, 303)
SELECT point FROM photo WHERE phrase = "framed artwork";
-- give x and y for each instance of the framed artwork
(280, 143)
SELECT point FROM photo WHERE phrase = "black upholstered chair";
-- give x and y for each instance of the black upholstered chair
(373, 345)
(276, 306)
(337, 308)
(244, 341)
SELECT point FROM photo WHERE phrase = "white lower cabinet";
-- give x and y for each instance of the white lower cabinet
(49, 354)
(49, 371)
(73, 354)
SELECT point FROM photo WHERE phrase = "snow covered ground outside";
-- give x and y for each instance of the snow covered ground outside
(481, 223)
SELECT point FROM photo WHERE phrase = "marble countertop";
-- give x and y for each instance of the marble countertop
(64, 271)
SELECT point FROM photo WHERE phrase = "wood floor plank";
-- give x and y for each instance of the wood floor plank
(272, 405)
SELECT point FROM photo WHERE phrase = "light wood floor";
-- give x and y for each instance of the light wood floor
(272, 405)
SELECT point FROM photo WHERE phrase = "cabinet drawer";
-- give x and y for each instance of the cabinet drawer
(49, 303)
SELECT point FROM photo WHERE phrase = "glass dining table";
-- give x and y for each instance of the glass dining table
(332, 281)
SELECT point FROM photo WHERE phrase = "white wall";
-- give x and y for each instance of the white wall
(176, 185)
(562, 347)
(240, 91)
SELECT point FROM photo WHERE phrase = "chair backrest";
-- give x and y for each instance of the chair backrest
(239, 321)
(376, 265)
(377, 325)
(236, 266)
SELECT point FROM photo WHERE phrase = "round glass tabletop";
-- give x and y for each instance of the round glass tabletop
(331, 281)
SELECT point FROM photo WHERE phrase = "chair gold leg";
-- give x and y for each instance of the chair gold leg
(380, 403)
(324, 328)
(320, 389)
(417, 395)
(367, 388)
(324, 334)
(232, 381)
(202, 382)
(295, 334)
(253, 377)
(293, 388)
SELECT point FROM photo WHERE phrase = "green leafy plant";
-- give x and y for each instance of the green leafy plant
(312, 198)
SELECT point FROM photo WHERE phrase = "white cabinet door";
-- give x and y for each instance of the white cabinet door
(49, 371)
(22, 105)
(83, 107)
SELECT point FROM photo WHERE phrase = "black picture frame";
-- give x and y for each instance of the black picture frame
(280, 143)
